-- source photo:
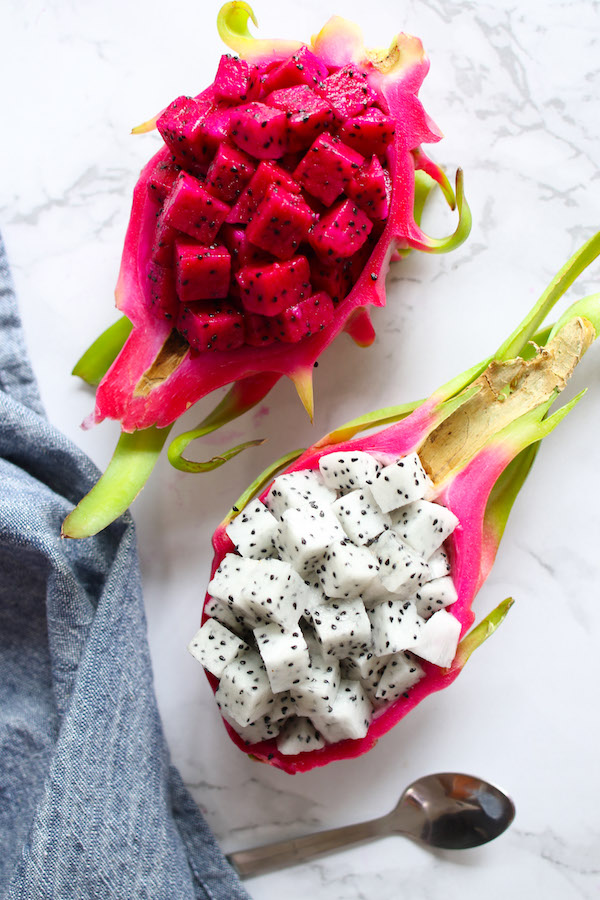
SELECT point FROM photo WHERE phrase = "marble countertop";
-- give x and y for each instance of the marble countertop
(515, 89)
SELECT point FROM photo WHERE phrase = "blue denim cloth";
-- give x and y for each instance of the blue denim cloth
(90, 806)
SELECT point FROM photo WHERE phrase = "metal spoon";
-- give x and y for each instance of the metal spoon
(447, 810)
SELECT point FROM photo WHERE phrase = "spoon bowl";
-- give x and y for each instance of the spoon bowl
(447, 810)
(455, 811)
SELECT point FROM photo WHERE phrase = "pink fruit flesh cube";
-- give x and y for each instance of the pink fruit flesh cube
(335, 278)
(164, 243)
(280, 223)
(307, 114)
(270, 289)
(260, 330)
(348, 91)
(341, 232)
(203, 273)
(370, 133)
(371, 189)
(303, 67)
(191, 209)
(259, 130)
(268, 173)
(305, 318)
(242, 252)
(229, 172)
(236, 81)
(162, 180)
(211, 326)
(160, 292)
(178, 126)
(327, 168)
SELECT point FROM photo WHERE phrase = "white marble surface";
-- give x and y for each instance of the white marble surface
(515, 89)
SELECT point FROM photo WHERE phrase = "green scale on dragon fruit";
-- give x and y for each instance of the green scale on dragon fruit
(273, 161)
(386, 622)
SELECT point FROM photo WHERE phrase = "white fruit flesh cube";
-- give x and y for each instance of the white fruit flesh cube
(253, 531)
(342, 627)
(263, 729)
(229, 584)
(401, 569)
(274, 592)
(298, 490)
(350, 714)
(424, 526)
(438, 639)
(299, 735)
(318, 692)
(215, 646)
(346, 570)
(439, 564)
(401, 672)
(396, 626)
(360, 516)
(244, 692)
(435, 595)
(400, 483)
(284, 654)
(376, 593)
(218, 610)
(347, 471)
(231, 576)
(303, 537)
(362, 665)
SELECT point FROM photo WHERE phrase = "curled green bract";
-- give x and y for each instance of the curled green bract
(259, 483)
(232, 25)
(179, 461)
(463, 228)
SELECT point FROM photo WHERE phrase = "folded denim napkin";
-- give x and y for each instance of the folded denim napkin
(90, 806)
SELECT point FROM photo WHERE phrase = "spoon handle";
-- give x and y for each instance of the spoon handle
(259, 860)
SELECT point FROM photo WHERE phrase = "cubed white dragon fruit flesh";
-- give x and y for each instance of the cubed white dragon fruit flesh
(340, 581)
(303, 490)
(350, 715)
(316, 694)
(346, 569)
(244, 692)
(439, 564)
(401, 569)
(299, 735)
(253, 531)
(303, 538)
(215, 646)
(400, 483)
(284, 654)
(396, 626)
(435, 595)
(423, 525)
(347, 471)
(400, 673)
(360, 516)
(342, 627)
(438, 639)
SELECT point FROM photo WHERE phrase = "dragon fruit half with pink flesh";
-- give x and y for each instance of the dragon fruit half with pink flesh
(262, 229)
(348, 632)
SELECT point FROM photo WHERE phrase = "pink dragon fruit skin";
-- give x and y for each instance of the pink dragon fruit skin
(478, 453)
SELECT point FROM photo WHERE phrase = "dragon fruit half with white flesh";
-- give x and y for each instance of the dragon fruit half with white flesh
(352, 634)
(262, 229)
